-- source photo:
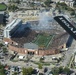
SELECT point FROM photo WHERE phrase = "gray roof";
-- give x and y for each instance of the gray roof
(30, 46)
(1, 18)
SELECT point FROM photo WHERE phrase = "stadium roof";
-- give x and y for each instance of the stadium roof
(30, 46)
(12, 24)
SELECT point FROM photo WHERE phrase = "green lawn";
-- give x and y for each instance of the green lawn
(2, 71)
(2, 74)
(2, 6)
(43, 40)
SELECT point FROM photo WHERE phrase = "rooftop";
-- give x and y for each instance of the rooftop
(30, 46)
(12, 24)
(1, 18)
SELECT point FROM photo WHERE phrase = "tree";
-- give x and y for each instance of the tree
(1, 66)
(73, 13)
(5, 50)
(27, 71)
(32, 5)
(12, 7)
(2, 71)
(1, 45)
(48, 2)
(24, 71)
(55, 71)
(66, 70)
(30, 69)
(60, 69)
(40, 66)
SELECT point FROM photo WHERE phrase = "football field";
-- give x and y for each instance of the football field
(43, 40)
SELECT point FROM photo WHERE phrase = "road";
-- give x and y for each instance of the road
(69, 53)
(21, 63)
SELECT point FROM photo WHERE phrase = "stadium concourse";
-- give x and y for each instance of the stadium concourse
(25, 40)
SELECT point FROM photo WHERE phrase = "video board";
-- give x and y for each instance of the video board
(69, 27)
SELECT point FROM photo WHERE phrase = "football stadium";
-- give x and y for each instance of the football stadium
(34, 38)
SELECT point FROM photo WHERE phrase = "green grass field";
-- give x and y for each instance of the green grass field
(2, 74)
(2, 6)
(43, 40)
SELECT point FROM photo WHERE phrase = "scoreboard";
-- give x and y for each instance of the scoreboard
(69, 27)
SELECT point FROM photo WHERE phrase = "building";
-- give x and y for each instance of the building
(75, 60)
(30, 48)
(28, 15)
(25, 44)
(2, 17)
(12, 27)
(68, 2)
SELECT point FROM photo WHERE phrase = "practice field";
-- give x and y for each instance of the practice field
(43, 40)
(2, 7)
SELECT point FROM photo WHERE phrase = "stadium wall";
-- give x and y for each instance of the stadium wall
(21, 50)
(9, 41)
(36, 52)
(48, 52)
(12, 47)
(15, 49)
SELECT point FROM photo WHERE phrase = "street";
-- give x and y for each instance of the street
(69, 53)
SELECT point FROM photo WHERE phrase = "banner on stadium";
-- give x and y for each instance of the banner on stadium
(71, 29)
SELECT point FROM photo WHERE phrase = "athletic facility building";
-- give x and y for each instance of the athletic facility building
(24, 39)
